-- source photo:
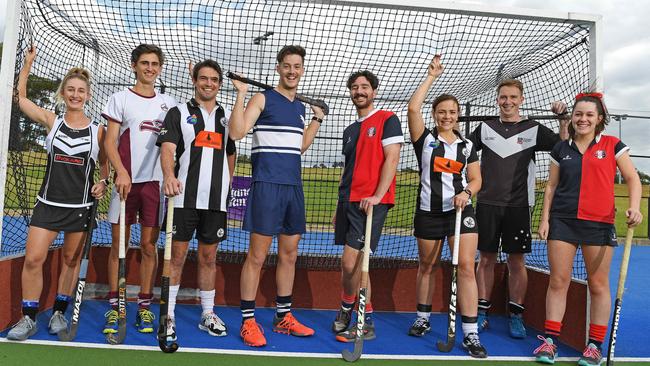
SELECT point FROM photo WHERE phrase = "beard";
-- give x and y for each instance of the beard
(364, 103)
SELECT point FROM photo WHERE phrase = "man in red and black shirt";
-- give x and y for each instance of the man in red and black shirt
(371, 147)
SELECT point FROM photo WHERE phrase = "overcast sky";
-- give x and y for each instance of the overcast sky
(626, 48)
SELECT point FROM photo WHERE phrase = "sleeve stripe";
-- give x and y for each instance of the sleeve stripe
(618, 154)
(392, 140)
(109, 118)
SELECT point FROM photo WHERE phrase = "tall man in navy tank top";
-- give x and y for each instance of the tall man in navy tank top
(371, 148)
(508, 146)
(198, 160)
(276, 201)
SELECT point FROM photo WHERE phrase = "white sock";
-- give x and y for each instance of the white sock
(171, 304)
(470, 328)
(424, 314)
(207, 301)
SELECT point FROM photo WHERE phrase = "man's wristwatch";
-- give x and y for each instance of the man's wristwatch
(466, 190)
(105, 181)
(319, 120)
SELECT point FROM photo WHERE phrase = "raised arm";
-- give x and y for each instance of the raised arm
(242, 119)
(415, 120)
(559, 107)
(633, 213)
(312, 129)
(29, 108)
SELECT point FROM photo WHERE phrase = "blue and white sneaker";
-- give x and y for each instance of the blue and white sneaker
(482, 321)
(110, 327)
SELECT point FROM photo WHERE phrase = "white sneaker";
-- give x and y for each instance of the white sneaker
(171, 330)
(57, 323)
(211, 323)
(24, 329)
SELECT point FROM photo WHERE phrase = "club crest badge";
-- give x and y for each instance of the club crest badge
(220, 233)
(465, 152)
(224, 121)
(164, 107)
(434, 144)
(600, 154)
(372, 131)
(469, 222)
(193, 119)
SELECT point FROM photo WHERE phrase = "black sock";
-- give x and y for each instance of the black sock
(247, 308)
(515, 309)
(61, 303)
(283, 306)
(484, 306)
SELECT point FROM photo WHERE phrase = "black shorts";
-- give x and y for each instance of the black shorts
(577, 231)
(508, 225)
(351, 224)
(436, 226)
(210, 225)
(55, 218)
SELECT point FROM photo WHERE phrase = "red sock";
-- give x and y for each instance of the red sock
(597, 334)
(552, 328)
(369, 308)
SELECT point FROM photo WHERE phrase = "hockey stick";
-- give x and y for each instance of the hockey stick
(121, 282)
(68, 334)
(619, 296)
(451, 330)
(167, 347)
(361, 314)
(316, 102)
(533, 117)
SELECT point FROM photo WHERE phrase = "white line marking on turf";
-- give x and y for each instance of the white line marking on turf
(296, 354)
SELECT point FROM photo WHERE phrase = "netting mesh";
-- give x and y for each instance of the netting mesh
(550, 58)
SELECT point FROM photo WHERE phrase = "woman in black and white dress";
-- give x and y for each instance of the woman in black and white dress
(67, 193)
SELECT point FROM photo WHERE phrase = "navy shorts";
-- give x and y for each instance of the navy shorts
(436, 226)
(210, 225)
(274, 209)
(509, 226)
(350, 228)
(577, 231)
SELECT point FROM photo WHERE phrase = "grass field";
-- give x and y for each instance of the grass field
(320, 187)
(29, 354)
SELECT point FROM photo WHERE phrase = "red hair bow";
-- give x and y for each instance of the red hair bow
(595, 95)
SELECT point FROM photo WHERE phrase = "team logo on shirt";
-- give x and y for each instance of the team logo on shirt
(567, 157)
(523, 140)
(153, 126)
(372, 131)
(224, 121)
(67, 159)
(600, 154)
(193, 119)
(164, 107)
(469, 222)
(465, 152)
(220, 233)
(434, 144)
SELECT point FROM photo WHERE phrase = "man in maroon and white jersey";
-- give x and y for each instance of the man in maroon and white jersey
(135, 118)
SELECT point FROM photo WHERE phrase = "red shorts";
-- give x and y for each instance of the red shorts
(143, 205)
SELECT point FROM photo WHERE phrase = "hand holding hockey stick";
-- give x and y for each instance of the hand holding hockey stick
(361, 314)
(451, 329)
(165, 346)
(70, 333)
(311, 101)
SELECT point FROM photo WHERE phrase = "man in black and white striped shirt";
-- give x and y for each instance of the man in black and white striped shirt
(198, 160)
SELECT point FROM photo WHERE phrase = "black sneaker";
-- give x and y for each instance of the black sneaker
(420, 327)
(473, 345)
(342, 321)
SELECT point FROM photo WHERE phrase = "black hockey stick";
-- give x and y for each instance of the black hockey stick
(167, 347)
(121, 282)
(619, 296)
(68, 334)
(316, 102)
(361, 314)
(451, 329)
(533, 117)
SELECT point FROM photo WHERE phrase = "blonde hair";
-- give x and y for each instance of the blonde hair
(74, 73)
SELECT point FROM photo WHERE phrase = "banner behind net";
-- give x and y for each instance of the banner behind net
(551, 59)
